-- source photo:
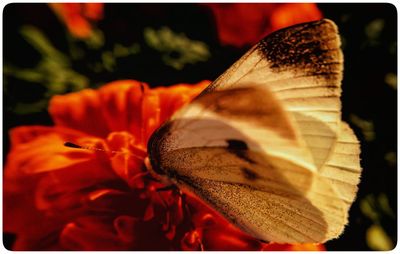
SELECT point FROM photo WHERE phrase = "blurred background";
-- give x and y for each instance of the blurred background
(51, 49)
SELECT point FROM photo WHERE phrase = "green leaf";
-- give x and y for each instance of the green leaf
(39, 41)
(108, 60)
(384, 206)
(29, 75)
(367, 127)
(122, 51)
(95, 40)
(29, 108)
(368, 208)
(177, 50)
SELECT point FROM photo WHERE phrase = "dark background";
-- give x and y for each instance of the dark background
(368, 31)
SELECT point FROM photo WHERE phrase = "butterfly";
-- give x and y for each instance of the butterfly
(264, 144)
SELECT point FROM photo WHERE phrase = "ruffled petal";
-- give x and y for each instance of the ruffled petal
(79, 111)
(254, 21)
(125, 227)
(43, 176)
(127, 158)
(33, 229)
(113, 233)
(68, 190)
(55, 198)
(99, 198)
(92, 232)
(76, 16)
(289, 14)
(121, 106)
(93, 11)
(37, 149)
(222, 238)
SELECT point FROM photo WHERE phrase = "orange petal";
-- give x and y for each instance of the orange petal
(25, 134)
(92, 233)
(224, 238)
(191, 241)
(68, 190)
(293, 247)
(80, 111)
(127, 159)
(114, 107)
(21, 217)
(294, 13)
(71, 15)
(39, 149)
(125, 227)
(241, 24)
(113, 233)
(78, 26)
(93, 11)
(121, 106)
(40, 165)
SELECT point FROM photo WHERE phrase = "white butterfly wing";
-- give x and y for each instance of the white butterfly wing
(303, 66)
(264, 144)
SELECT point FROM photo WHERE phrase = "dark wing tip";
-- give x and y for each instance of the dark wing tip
(311, 48)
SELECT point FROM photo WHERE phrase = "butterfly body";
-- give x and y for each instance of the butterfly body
(264, 144)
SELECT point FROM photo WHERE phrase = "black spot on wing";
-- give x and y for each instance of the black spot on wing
(310, 47)
(236, 144)
(239, 148)
(249, 174)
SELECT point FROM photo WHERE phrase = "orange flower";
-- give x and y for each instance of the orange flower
(241, 24)
(77, 16)
(61, 198)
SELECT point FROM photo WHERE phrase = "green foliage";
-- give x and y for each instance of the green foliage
(367, 127)
(95, 40)
(53, 71)
(377, 209)
(56, 72)
(177, 50)
(122, 51)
